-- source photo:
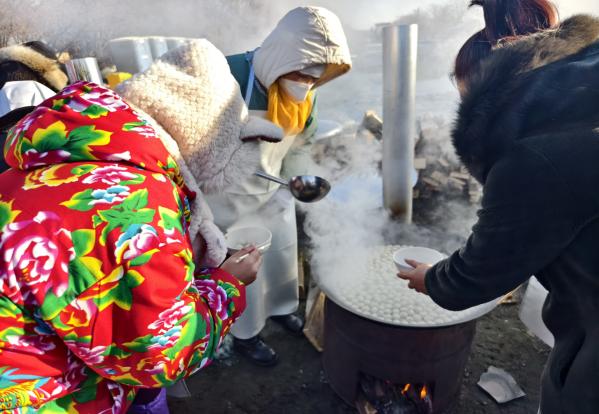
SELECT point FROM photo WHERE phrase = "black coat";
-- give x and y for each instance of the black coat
(528, 130)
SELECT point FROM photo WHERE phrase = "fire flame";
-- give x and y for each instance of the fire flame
(423, 391)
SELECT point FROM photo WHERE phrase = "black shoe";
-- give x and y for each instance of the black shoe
(291, 322)
(256, 350)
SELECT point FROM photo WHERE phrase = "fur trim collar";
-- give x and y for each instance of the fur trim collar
(48, 69)
(537, 83)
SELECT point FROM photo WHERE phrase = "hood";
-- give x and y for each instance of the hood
(85, 122)
(46, 69)
(539, 83)
(191, 93)
(306, 36)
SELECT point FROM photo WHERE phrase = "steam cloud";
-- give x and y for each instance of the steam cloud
(340, 234)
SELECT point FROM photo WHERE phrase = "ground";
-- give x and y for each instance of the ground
(298, 385)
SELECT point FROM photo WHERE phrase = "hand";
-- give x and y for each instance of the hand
(416, 276)
(245, 270)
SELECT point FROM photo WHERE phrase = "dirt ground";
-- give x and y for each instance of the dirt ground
(298, 384)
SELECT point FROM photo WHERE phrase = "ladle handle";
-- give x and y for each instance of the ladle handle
(271, 178)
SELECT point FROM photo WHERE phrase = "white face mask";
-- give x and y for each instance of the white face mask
(298, 91)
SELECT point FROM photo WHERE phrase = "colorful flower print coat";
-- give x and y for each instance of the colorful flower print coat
(99, 295)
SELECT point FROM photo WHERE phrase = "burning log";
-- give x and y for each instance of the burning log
(383, 397)
(368, 372)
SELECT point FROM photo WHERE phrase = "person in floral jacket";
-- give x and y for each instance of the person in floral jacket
(100, 295)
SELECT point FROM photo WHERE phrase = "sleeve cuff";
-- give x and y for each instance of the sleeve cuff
(434, 290)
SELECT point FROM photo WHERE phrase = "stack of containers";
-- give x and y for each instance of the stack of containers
(135, 54)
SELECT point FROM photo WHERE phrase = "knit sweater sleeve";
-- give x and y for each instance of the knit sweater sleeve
(528, 218)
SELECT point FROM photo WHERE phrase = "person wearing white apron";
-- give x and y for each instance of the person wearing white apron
(307, 49)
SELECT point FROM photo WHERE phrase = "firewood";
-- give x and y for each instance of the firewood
(457, 183)
(314, 328)
(475, 197)
(420, 163)
(432, 183)
(373, 123)
(301, 276)
(460, 176)
(444, 162)
(440, 177)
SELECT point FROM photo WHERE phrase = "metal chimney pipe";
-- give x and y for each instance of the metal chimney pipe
(400, 52)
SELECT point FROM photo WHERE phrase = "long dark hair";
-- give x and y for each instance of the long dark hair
(504, 20)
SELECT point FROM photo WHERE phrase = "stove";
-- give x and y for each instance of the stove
(399, 369)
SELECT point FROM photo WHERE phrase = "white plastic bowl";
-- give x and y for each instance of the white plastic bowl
(420, 254)
(238, 238)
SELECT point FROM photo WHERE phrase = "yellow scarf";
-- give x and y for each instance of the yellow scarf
(289, 115)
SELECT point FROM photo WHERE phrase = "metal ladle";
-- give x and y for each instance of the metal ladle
(305, 188)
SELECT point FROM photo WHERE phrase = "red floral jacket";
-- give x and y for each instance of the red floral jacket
(100, 295)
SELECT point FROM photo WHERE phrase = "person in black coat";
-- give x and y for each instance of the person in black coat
(528, 130)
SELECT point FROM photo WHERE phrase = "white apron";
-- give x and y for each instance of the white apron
(257, 202)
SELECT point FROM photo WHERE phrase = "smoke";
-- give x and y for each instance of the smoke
(442, 29)
(343, 231)
(340, 232)
(83, 27)
(345, 226)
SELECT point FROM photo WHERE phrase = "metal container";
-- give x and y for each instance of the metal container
(175, 42)
(131, 54)
(84, 69)
(158, 46)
